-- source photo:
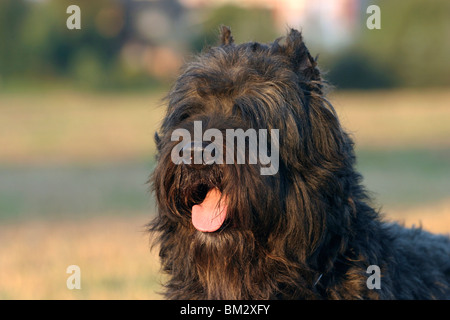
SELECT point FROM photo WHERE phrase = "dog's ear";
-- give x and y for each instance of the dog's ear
(225, 36)
(302, 61)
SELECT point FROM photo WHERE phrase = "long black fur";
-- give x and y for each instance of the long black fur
(308, 232)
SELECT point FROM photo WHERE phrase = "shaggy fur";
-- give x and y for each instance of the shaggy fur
(307, 232)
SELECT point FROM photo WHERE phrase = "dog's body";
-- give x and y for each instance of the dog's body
(306, 232)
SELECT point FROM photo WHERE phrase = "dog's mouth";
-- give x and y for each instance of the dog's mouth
(209, 210)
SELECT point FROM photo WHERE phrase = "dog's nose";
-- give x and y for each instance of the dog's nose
(194, 152)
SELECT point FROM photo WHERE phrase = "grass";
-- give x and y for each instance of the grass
(73, 168)
(392, 120)
(68, 127)
(68, 190)
(406, 178)
(113, 256)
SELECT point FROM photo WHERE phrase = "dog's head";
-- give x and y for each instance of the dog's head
(250, 144)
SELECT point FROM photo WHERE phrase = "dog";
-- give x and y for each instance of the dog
(278, 211)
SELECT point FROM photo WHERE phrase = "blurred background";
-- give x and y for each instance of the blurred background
(78, 109)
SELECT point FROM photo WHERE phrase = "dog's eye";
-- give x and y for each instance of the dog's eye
(184, 116)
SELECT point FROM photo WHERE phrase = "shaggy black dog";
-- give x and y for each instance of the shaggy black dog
(305, 229)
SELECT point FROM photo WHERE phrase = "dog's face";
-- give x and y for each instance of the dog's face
(234, 147)
(253, 169)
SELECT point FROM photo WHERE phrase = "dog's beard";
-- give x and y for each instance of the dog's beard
(225, 222)
(204, 200)
(215, 219)
(199, 195)
(211, 196)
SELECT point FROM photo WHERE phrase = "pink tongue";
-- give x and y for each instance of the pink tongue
(209, 215)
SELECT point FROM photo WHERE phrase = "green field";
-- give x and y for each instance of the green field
(74, 166)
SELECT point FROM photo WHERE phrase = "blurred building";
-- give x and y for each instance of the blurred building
(152, 33)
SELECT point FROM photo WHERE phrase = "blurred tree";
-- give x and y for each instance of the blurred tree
(414, 41)
(412, 48)
(13, 14)
(35, 42)
(357, 70)
(95, 42)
